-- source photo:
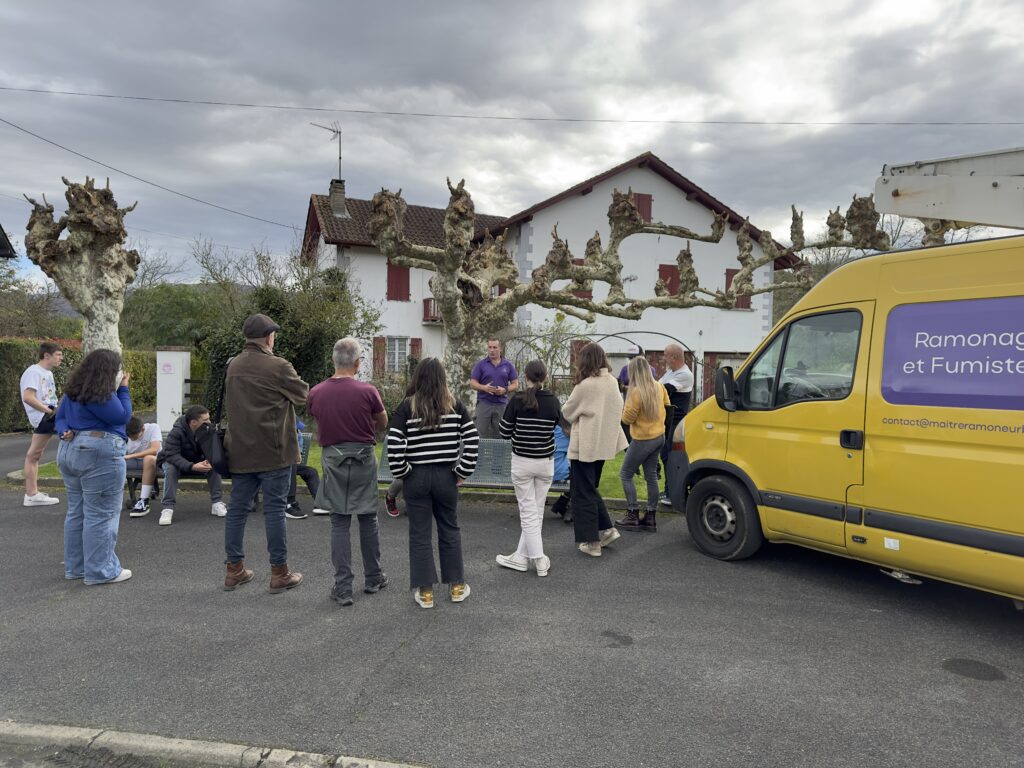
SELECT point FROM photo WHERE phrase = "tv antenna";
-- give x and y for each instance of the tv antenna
(335, 130)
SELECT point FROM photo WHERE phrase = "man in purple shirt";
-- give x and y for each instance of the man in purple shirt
(493, 378)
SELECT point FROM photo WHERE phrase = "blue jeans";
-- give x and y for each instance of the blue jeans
(244, 487)
(94, 472)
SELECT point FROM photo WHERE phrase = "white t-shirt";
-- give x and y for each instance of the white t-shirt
(41, 380)
(682, 379)
(150, 433)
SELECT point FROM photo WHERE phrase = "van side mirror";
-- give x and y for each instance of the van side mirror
(725, 389)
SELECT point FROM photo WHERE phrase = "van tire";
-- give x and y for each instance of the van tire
(722, 518)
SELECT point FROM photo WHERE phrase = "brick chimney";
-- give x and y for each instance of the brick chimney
(337, 197)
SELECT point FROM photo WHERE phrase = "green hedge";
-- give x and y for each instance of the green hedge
(18, 354)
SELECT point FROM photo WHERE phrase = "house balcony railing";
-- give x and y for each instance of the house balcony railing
(431, 314)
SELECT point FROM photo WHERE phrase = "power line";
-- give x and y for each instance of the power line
(146, 181)
(523, 118)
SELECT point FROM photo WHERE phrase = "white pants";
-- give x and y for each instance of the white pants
(532, 480)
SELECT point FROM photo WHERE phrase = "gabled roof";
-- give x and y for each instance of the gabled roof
(423, 225)
(667, 172)
(6, 249)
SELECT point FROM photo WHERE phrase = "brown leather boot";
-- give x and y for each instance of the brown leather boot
(237, 575)
(281, 578)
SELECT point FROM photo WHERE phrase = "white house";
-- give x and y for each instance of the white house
(713, 336)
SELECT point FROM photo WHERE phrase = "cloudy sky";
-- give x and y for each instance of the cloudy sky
(695, 71)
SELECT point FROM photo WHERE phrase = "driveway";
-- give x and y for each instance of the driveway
(652, 655)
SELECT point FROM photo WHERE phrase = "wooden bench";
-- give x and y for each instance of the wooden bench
(493, 467)
(134, 476)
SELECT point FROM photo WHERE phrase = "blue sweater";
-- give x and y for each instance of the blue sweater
(111, 416)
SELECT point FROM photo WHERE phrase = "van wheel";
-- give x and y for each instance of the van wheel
(722, 519)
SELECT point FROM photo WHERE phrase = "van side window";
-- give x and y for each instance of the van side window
(759, 391)
(820, 357)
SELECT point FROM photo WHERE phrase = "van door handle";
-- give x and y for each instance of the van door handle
(852, 438)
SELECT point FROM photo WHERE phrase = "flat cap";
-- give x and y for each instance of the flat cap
(258, 326)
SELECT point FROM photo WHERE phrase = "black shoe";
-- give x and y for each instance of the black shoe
(341, 598)
(376, 586)
(560, 506)
(294, 511)
(631, 522)
(649, 522)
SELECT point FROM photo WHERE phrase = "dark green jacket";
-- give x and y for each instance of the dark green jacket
(260, 395)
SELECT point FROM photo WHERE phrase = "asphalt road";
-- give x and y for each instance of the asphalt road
(652, 655)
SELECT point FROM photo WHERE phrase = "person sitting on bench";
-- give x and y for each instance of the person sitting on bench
(181, 455)
(144, 441)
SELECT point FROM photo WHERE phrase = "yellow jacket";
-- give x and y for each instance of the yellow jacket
(640, 428)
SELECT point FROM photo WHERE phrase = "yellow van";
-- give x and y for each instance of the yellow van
(882, 419)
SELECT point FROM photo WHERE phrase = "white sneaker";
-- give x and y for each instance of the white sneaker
(542, 564)
(40, 499)
(166, 516)
(318, 511)
(592, 548)
(219, 509)
(515, 561)
(124, 575)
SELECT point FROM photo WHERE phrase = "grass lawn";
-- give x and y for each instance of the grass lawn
(611, 486)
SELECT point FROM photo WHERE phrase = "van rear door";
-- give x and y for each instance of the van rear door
(800, 433)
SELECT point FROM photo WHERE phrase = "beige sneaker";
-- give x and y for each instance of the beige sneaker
(592, 548)
(608, 536)
(424, 597)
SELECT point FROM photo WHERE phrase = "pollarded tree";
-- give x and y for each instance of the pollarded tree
(90, 266)
(466, 270)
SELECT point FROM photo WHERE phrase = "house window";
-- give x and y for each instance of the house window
(398, 283)
(642, 201)
(670, 274)
(742, 302)
(396, 351)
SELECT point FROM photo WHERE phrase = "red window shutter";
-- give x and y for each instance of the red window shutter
(670, 274)
(582, 294)
(416, 348)
(379, 351)
(642, 200)
(398, 283)
(742, 302)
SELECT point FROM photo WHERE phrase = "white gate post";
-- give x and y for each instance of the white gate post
(173, 366)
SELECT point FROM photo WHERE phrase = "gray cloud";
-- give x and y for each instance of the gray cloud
(779, 60)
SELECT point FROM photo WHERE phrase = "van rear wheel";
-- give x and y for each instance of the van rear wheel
(722, 518)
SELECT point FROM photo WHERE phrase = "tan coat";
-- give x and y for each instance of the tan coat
(260, 395)
(595, 409)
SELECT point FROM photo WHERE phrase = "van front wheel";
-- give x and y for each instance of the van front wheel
(722, 518)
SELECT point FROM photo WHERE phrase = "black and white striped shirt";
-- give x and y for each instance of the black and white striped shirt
(408, 444)
(532, 432)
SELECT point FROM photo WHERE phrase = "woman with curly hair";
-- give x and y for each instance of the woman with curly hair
(91, 423)
(593, 409)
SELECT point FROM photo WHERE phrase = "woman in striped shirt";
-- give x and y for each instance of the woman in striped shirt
(432, 446)
(529, 422)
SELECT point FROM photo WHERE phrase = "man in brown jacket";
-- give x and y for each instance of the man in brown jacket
(260, 395)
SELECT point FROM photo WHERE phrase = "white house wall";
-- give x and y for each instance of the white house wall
(369, 271)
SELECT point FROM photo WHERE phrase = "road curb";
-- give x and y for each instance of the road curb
(194, 751)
